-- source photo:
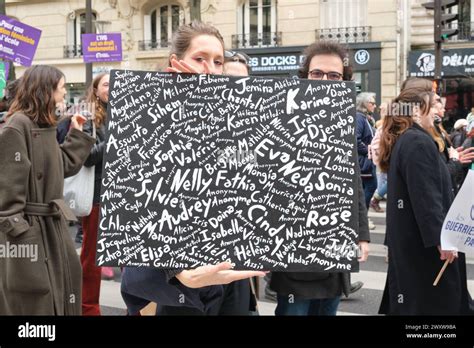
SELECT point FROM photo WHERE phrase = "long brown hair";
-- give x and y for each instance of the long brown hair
(416, 82)
(185, 33)
(438, 138)
(92, 98)
(35, 94)
(427, 85)
(400, 118)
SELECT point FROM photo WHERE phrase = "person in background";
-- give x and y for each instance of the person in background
(469, 142)
(32, 209)
(456, 159)
(236, 63)
(381, 190)
(365, 105)
(97, 97)
(315, 293)
(459, 134)
(196, 48)
(10, 93)
(419, 196)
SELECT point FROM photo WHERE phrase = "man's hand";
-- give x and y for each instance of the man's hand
(214, 275)
(364, 251)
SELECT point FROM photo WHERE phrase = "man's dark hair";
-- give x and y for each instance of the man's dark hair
(326, 47)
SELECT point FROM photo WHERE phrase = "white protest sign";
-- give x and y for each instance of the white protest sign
(458, 227)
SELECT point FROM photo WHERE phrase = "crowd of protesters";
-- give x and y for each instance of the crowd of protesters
(402, 158)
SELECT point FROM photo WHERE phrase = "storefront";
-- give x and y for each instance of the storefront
(285, 62)
(457, 70)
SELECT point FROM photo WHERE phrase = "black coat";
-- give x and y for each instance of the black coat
(419, 196)
(364, 134)
(315, 285)
(143, 284)
(458, 137)
(455, 168)
(95, 157)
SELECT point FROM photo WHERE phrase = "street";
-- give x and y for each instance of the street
(366, 301)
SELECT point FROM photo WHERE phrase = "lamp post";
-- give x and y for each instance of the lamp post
(11, 67)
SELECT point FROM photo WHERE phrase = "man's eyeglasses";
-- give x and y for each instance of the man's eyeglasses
(317, 74)
(232, 56)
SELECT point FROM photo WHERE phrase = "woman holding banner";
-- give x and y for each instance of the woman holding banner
(196, 48)
(419, 196)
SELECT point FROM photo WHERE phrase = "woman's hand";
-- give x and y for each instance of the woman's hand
(77, 121)
(450, 255)
(364, 251)
(214, 275)
(465, 156)
(183, 67)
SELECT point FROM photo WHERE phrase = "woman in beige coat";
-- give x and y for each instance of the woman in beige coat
(40, 273)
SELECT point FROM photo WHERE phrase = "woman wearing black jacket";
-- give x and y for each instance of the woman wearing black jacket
(420, 194)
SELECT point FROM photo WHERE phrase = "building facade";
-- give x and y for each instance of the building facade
(272, 32)
(457, 56)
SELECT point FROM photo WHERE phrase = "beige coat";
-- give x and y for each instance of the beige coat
(33, 214)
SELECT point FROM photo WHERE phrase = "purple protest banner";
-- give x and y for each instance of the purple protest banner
(102, 47)
(18, 41)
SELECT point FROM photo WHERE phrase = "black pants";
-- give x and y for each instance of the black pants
(238, 299)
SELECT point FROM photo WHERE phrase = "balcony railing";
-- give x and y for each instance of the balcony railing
(72, 51)
(150, 45)
(466, 31)
(256, 40)
(345, 35)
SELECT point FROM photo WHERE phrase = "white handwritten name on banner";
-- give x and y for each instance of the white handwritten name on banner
(201, 169)
(458, 227)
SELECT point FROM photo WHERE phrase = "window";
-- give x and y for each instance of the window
(159, 26)
(343, 13)
(77, 27)
(257, 24)
(344, 21)
(464, 20)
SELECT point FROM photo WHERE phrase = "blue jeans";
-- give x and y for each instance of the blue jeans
(370, 185)
(295, 306)
(381, 184)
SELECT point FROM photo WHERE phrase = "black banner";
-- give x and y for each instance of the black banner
(201, 169)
